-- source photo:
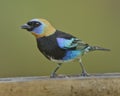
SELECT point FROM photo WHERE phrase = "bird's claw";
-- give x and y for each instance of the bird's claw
(53, 75)
(85, 74)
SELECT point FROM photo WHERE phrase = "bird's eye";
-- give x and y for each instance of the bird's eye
(36, 24)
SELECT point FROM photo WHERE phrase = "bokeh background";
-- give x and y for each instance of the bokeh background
(96, 22)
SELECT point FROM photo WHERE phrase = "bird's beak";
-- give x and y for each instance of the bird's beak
(25, 26)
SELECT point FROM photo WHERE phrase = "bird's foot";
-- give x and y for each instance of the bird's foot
(53, 75)
(85, 74)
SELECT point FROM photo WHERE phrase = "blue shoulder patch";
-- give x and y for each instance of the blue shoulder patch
(66, 43)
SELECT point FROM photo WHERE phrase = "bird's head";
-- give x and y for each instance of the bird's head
(39, 27)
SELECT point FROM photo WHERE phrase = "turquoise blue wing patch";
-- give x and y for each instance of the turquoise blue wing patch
(66, 43)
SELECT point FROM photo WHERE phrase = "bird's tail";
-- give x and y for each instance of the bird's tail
(93, 48)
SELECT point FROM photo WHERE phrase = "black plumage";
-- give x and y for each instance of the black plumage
(57, 45)
(49, 46)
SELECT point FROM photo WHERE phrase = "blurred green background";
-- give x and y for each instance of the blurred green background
(96, 22)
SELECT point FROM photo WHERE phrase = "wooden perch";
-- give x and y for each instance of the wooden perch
(94, 85)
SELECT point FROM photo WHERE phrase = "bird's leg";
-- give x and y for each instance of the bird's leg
(84, 72)
(53, 74)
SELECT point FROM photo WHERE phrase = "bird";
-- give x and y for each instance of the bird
(58, 46)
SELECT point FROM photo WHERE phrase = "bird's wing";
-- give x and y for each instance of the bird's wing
(71, 43)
